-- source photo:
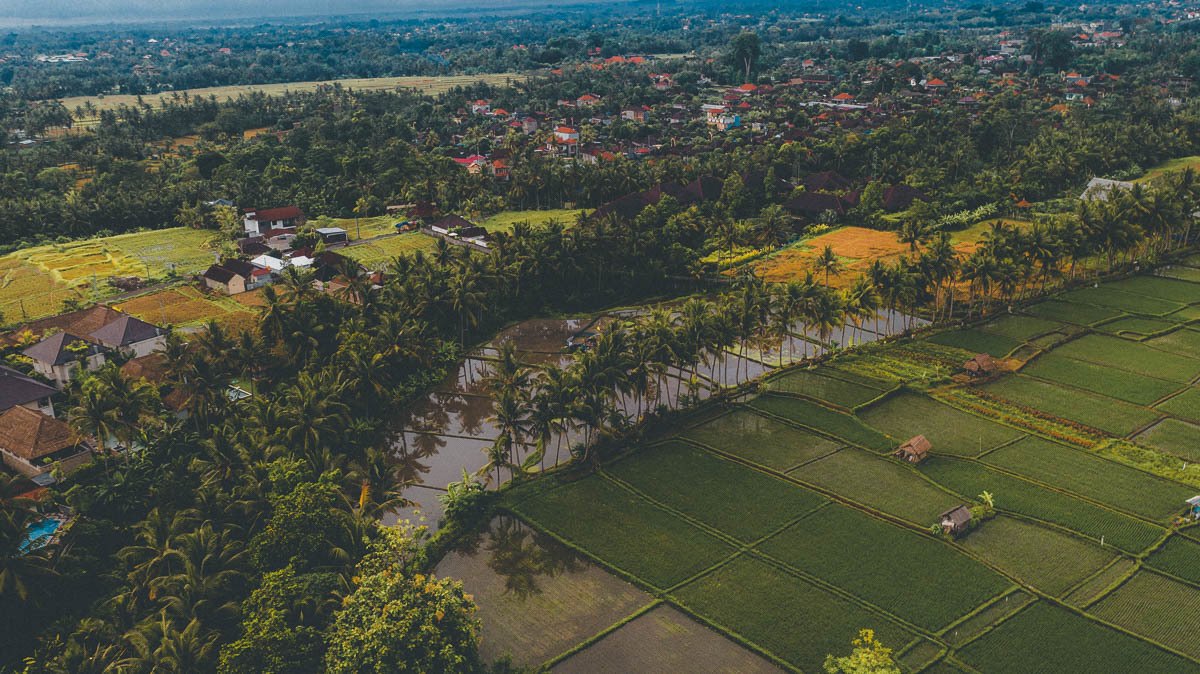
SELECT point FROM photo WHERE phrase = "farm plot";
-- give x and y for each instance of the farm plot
(739, 501)
(798, 622)
(1136, 327)
(824, 420)
(1179, 556)
(975, 625)
(1179, 272)
(1184, 340)
(977, 341)
(1090, 476)
(536, 597)
(878, 483)
(1100, 412)
(857, 247)
(1047, 639)
(817, 384)
(1049, 560)
(1132, 357)
(625, 530)
(1022, 328)
(1156, 607)
(1185, 405)
(1088, 591)
(378, 253)
(1172, 436)
(665, 640)
(1100, 379)
(506, 220)
(951, 431)
(875, 560)
(761, 440)
(1072, 312)
(1158, 287)
(183, 305)
(1106, 296)
(1025, 498)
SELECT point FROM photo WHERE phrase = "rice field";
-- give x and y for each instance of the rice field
(761, 440)
(1155, 607)
(378, 253)
(1180, 557)
(879, 483)
(951, 430)
(1049, 560)
(1100, 412)
(825, 421)
(824, 384)
(186, 305)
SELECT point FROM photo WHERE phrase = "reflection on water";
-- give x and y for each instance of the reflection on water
(521, 556)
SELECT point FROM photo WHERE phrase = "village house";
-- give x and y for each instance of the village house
(955, 521)
(60, 356)
(259, 221)
(234, 277)
(333, 236)
(566, 140)
(131, 336)
(1100, 189)
(915, 450)
(33, 444)
(587, 101)
(19, 390)
(981, 365)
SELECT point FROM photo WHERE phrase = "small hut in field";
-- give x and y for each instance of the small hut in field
(981, 365)
(956, 520)
(915, 450)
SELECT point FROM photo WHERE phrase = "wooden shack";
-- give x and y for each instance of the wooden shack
(981, 365)
(955, 520)
(915, 450)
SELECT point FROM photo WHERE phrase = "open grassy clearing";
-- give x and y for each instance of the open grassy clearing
(665, 640)
(1022, 328)
(875, 561)
(1088, 475)
(878, 483)
(977, 341)
(950, 430)
(1018, 496)
(536, 597)
(1156, 607)
(1122, 354)
(1072, 312)
(825, 420)
(626, 531)
(1179, 556)
(816, 384)
(1104, 296)
(1106, 414)
(1169, 166)
(378, 253)
(1049, 560)
(739, 501)
(1100, 379)
(428, 85)
(783, 614)
(1175, 437)
(504, 221)
(1047, 639)
(761, 440)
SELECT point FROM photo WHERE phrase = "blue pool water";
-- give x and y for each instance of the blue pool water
(40, 533)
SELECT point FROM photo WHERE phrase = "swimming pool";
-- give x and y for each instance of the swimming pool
(40, 533)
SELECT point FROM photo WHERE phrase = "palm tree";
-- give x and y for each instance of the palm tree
(96, 413)
(827, 263)
(914, 233)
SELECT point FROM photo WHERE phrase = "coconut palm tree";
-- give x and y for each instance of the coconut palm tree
(827, 263)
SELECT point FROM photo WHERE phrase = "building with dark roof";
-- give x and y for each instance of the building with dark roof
(61, 355)
(32, 443)
(259, 220)
(132, 335)
(19, 390)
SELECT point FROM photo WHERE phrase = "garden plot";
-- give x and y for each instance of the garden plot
(1100, 379)
(378, 253)
(1110, 415)
(977, 341)
(1049, 560)
(1106, 296)
(1025, 498)
(739, 501)
(1159, 288)
(817, 384)
(1090, 476)
(796, 621)
(761, 440)
(1001, 608)
(1136, 327)
(1179, 556)
(1088, 591)
(1073, 312)
(1156, 607)
(878, 483)
(824, 420)
(875, 561)
(1045, 638)
(536, 597)
(1183, 340)
(665, 640)
(1022, 328)
(951, 431)
(626, 531)
(1178, 438)
(1185, 405)
(1132, 357)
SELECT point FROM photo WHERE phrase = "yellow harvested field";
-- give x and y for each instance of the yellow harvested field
(188, 305)
(856, 246)
(429, 85)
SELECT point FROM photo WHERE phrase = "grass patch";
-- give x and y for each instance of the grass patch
(824, 420)
(1186, 405)
(1098, 584)
(977, 341)
(1100, 379)
(1137, 327)
(1157, 608)
(1173, 437)
(830, 389)
(1021, 328)
(1044, 558)
(761, 440)
(1100, 412)
(1024, 498)
(875, 561)
(878, 483)
(1072, 312)
(1132, 357)
(1183, 340)
(1046, 638)
(1088, 475)
(504, 221)
(1179, 272)
(626, 531)
(378, 253)
(950, 430)
(1179, 556)
(976, 624)
(798, 622)
(1159, 288)
(1107, 296)
(740, 501)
